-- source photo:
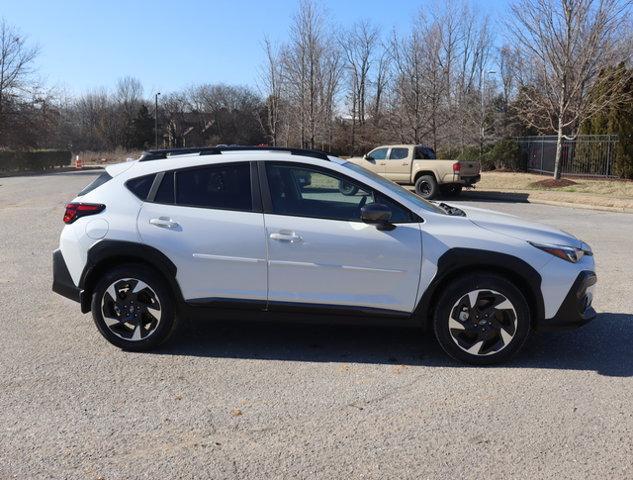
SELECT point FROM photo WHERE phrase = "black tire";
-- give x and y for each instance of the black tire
(478, 327)
(150, 338)
(426, 186)
(452, 189)
(347, 189)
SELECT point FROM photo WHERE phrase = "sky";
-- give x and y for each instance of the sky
(170, 45)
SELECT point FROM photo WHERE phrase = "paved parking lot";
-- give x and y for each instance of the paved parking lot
(226, 401)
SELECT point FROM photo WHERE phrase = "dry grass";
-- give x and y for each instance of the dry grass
(617, 194)
(102, 158)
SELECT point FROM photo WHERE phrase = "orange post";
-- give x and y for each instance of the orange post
(78, 163)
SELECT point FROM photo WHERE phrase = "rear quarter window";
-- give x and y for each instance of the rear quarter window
(140, 186)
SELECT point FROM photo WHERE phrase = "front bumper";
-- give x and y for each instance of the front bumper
(576, 309)
(62, 282)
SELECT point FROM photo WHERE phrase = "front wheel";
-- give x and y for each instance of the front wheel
(347, 189)
(133, 308)
(482, 319)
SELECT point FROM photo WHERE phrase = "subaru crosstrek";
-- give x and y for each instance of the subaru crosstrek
(298, 233)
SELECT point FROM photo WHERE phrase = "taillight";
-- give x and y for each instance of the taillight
(78, 210)
(457, 167)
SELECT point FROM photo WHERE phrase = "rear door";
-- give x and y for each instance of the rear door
(398, 164)
(321, 253)
(208, 221)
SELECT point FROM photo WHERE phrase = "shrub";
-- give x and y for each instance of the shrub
(11, 160)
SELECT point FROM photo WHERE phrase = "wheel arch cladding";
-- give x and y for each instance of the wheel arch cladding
(462, 261)
(419, 173)
(107, 254)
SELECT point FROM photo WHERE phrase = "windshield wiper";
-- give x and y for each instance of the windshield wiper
(458, 212)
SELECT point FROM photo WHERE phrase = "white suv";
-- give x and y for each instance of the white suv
(279, 232)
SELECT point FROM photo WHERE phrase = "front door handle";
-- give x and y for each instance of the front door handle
(163, 222)
(286, 236)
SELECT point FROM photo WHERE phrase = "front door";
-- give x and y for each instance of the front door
(208, 227)
(320, 252)
(376, 160)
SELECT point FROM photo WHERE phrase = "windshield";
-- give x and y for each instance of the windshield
(396, 189)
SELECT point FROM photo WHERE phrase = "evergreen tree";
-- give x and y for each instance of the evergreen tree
(142, 131)
(615, 120)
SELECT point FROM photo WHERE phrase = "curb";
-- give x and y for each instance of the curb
(525, 198)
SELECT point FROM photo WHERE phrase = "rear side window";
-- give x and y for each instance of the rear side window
(226, 187)
(165, 193)
(140, 186)
(398, 153)
(97, 182)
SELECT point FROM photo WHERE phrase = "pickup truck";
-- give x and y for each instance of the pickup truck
(418, 165)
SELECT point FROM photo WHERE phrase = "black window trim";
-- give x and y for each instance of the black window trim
(256, 201)
(267, 203)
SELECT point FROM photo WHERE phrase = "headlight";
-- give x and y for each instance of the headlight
(570, 254)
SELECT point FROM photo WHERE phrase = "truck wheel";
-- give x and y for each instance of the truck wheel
(347, 189)
(426, 186)
(481, 319)
(452, 190)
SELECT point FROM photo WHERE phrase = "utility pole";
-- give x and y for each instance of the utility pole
(156, 120)
(483, 111)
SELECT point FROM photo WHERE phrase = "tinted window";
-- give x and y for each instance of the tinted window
(97, 182)
(225, 186)
(398, 153)
(378, 154)
(165, 193)
(328, 195)
(140, 186)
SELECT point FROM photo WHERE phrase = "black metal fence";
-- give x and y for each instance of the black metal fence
(587, 155)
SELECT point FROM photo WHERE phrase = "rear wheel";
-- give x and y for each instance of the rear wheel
(426, 186)
(482, 319)
(133, 308)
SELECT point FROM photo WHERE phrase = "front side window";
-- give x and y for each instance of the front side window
(378, 154)
(398, 153)
(328, 195)
(225, 187)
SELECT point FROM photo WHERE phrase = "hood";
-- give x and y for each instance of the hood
(516, 227)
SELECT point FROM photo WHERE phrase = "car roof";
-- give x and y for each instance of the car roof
(193, 159)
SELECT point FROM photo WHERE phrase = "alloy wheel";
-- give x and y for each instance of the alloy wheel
(131, 309)
(482, 322)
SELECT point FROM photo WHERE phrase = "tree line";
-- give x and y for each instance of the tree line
(446, 79)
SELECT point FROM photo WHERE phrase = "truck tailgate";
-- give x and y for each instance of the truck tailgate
(469, 168)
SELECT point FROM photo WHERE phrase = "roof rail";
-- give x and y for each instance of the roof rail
(168, 152)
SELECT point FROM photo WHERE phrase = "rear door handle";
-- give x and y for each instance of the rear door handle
(163, 222)
(286, 236)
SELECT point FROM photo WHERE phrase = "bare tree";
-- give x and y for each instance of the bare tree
(564, 46)
(271, 84)
(16, 67)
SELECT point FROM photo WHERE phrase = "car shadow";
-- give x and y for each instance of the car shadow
(603, 346)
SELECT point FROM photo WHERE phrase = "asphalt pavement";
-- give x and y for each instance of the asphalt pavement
(227, 401)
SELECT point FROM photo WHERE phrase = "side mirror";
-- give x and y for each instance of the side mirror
(377, 214)
(368, 157)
